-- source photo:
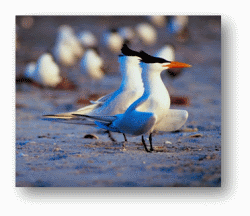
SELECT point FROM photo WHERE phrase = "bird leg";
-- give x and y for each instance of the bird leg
(111, 137)
(125, 138)
(143, 141)
(150, 141)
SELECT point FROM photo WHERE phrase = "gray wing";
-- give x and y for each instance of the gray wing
(103, 99)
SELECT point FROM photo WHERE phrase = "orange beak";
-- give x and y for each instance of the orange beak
(177, 65)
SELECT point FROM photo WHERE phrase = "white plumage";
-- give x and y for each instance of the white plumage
(131, 88)
(45, 72)
(67, 47)
(151, 111)
(166, 52)
(140, 106)
(113, 40)
(87, 39)
(146, 33)
(91, 65)
(159, 21)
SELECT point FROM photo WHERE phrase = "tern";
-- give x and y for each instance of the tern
(159, 21)
(113, 40)
(67, 47)
(151, 111)
(91, 64)
(87, 39)
(131, 89)
(146, 33)
(45, 72)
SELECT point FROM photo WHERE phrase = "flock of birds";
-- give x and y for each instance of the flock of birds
(70, 49)
(142, 103)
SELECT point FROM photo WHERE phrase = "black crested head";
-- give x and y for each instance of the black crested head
(128, 52)
(146, 58)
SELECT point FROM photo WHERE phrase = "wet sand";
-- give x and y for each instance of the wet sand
(50, 154)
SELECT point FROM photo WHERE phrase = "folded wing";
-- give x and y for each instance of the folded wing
(173, 121)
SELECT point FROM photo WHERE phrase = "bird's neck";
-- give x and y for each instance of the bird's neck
(132, 82)
(153, 84)
(131, 78)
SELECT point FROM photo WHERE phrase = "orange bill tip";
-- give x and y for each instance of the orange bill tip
(174, 64)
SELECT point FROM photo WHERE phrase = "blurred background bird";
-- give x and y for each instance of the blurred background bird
(67, 47)
(178, 26)
(167, 51)
(82, 53)
(146, 33)
(158, 21)
(45, 72)
(87, 39)
(92, 64)
(113, 40)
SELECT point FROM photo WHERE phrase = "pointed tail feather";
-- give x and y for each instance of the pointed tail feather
(71, 121)
(59, 116)
(106, 119)
(68, 119)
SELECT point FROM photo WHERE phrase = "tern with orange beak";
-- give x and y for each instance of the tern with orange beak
(151, 112)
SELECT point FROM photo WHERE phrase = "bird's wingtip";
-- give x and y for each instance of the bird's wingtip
(75, 114)
(49, 116)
